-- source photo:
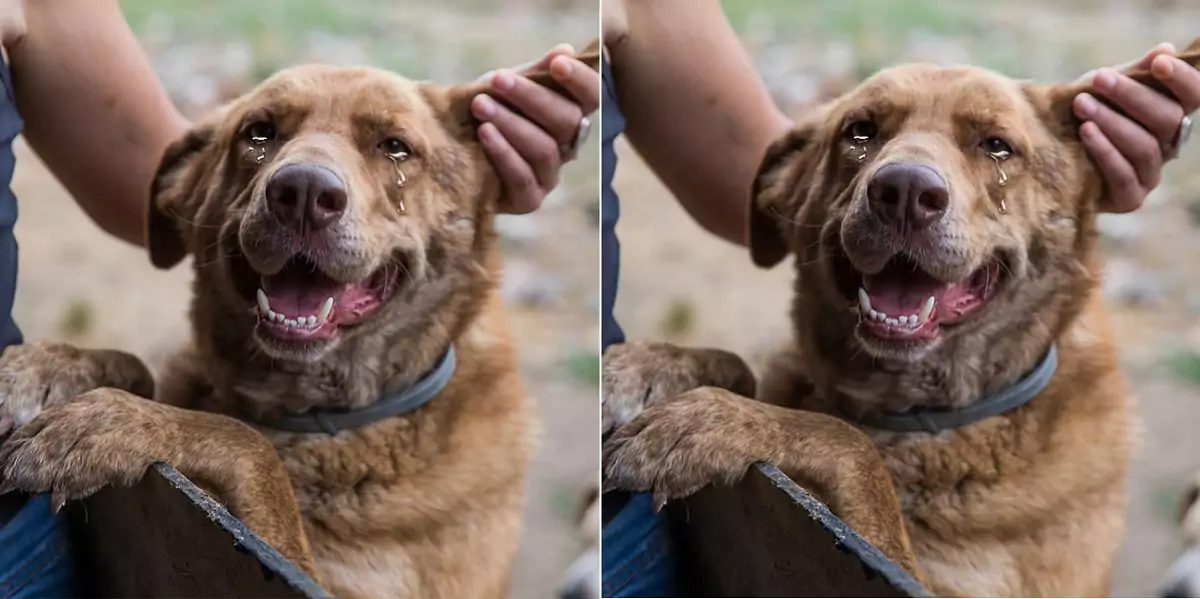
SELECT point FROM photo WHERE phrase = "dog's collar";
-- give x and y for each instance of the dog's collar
(390, 405)
(935, 420)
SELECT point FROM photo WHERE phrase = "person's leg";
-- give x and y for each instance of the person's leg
(35, 554)
(638, 555)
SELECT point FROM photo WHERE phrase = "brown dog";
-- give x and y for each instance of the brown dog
(340, 223)
(942, 223)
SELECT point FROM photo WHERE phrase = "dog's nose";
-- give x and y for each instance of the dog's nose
(908, 195)
(306, 193)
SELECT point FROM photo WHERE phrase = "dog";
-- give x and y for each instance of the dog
(942, 225)
(351, 391)
(1183, 578)
(582, 580)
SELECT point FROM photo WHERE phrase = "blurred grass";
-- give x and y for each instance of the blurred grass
(840, 18)
(583, 367)
(1185, 365)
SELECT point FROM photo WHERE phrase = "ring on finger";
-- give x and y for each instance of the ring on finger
(1171, 149)
(570, 151)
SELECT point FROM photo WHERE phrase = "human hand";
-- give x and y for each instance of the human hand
(1129, 149)
(527, 147)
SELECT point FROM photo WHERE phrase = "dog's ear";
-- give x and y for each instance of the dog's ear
(457, 107)
(773, 185)
(175, 194)
(1057, 100)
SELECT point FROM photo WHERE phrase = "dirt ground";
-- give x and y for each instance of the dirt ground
(77, 284)
(681, 284)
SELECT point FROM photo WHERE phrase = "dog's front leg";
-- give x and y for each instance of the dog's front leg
(710, 435)
(110, 437)
(40, 374)
(641, 374)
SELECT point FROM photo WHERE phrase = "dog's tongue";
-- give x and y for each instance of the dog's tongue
(298, 292)
(901, 291)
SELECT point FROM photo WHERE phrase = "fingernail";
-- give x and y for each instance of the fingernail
(568, 48)
(1105, 80)
(1162, 65)
(561, 67)
(1086, 106)
(488, 134)
(504, 81)
(484, 107)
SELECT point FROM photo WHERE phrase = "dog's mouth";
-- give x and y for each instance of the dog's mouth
(904, 303)
(301, 303)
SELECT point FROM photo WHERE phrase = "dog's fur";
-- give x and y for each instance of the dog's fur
(1028, 503)
(427, 504)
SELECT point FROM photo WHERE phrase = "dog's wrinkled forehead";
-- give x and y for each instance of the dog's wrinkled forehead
(354, 101)
(960, 101)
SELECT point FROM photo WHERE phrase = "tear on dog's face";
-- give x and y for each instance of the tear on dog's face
(326, 202)
(930, 203)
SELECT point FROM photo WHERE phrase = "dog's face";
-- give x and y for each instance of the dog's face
(1183, 579)
(319, 204)
(932, 202)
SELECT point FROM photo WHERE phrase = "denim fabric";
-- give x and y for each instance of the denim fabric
(35, 560)
(637, 553)
(35, 555)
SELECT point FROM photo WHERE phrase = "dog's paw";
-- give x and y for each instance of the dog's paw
(40, 374)
(640, 374)
(701, 437)
(103, 437)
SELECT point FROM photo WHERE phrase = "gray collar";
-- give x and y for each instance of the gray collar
(391, 405)
(935, 420)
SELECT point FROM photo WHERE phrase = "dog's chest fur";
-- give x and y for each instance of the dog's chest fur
(1025, 504)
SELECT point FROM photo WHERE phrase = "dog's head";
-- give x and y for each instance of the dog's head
(326, 202)
(935, 203)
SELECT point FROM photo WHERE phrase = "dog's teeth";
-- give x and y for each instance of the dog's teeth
(264, 306)
(312, 321)
(912, 319)
(864, 301)
(892, 321)
(926, 310)
(875, 315)
(326, 308)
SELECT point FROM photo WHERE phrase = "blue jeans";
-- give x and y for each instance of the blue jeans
(35, 554)
(638, 556)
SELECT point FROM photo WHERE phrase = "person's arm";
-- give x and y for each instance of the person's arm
(1128, 150)
(694, 106)
(94, 110)
(525, 146)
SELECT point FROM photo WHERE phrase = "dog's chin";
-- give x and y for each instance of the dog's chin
(303, 313)
(904, 313)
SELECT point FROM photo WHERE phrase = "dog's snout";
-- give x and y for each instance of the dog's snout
(908, 195)
(306, 194)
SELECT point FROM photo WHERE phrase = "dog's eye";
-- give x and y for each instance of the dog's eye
(861, 130)
(260, 131)
(997, 148)
(395, 148)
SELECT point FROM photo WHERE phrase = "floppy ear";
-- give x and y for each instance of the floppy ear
(175, 194)
(459, 97)
(777, 175)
